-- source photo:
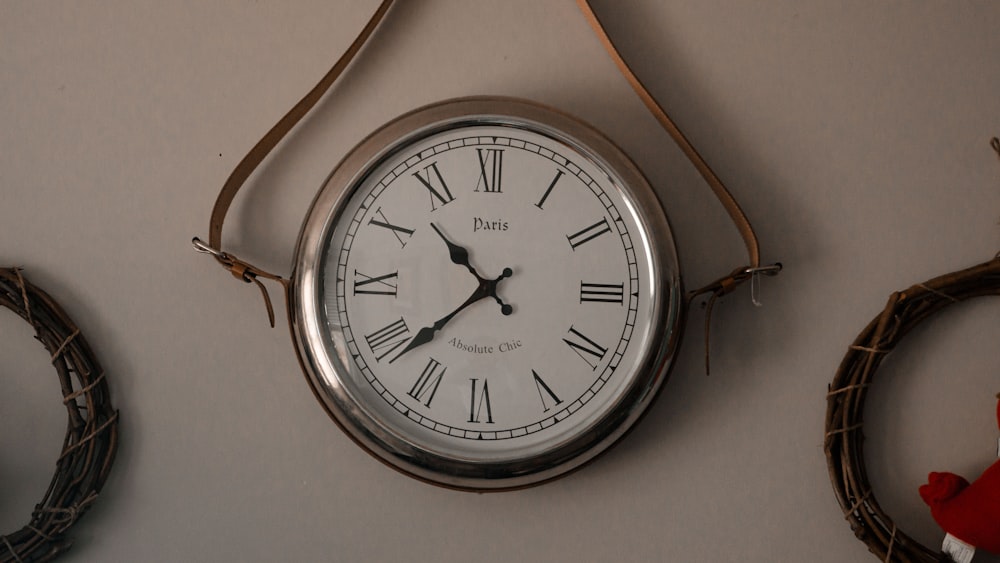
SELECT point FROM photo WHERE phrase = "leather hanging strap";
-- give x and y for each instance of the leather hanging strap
(239, 268)
(727, 283)
(245, 168)
(732, 207)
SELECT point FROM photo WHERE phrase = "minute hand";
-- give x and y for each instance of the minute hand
(487, 288)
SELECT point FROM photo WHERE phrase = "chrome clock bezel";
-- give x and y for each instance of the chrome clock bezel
(326, 371)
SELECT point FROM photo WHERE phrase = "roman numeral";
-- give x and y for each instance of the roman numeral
(490, 169)
(386, 339)
(428, 382)
(602, 293)
(543, 391)
(433, 183)
(396, 230)
(590, 351)
(476, 411)
(379, 285)
(545, 196)
(590, 233)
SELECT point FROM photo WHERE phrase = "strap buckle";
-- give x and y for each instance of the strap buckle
(243, 271)
(755, 274)
(769, 270)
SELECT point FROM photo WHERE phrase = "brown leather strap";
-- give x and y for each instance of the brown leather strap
(725, 284)
(728, 283)
(280, 129)
(245, 168)
(732, 207)
(240, 269)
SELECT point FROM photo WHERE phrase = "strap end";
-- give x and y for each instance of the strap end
(242, 271)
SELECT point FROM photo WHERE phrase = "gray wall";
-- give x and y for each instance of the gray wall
(855, 134)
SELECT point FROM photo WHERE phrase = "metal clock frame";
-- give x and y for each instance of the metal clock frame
(327, 370)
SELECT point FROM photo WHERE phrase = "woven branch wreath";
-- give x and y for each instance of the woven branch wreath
(846, 400)
(92, 433)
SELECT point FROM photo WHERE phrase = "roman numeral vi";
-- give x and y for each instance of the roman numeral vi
(476, 410)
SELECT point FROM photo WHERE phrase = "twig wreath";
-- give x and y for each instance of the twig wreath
(846, 400)
(92, 433)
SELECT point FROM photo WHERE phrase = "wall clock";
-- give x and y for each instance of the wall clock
(485, 292)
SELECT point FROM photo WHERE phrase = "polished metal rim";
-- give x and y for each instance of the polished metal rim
(326, 373)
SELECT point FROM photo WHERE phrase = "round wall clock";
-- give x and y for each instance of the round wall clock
(486, 293)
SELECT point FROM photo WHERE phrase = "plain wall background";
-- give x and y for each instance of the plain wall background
(855, 135)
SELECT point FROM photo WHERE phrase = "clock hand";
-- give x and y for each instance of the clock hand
(459, 255)
(426, 334)
(504, 308)
(487, 288)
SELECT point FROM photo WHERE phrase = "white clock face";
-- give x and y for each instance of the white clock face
(487, 292)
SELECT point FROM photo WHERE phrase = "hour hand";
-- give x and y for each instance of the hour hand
(459, 255)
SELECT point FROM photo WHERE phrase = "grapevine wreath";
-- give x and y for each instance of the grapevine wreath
(846, 399)
(91, 435)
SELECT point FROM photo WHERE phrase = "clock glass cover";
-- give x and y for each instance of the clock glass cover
(486, 294)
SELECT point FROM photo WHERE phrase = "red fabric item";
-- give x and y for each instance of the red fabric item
(970, 512)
